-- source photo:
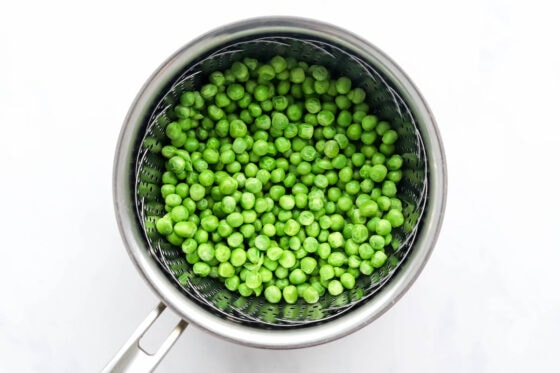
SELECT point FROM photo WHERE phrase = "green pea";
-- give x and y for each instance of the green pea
(379, 259)
(347, 280)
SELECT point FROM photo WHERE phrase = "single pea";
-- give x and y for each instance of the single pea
(335, 239)
(354, 132)
(260, 147)
(222, 252)
(227, 186)
(382, 127)
(164, 226)
(192, 258)
(345, 174)
(369, 122)
(253, 279)
(326, 272)
(352, 187)
(253, 185)
(201, 236)
(396, 204)
(276, 191)
(272, 294)
(287, 202)
(274, 253)
(337, 259)
(343, 85)
(325, 118)
(209, 223)
(179, 213)
(168, 189)
(287, 259)
(366, 251)
(367, 185)
(247, 200)
(369, 208)
(238, 257)
(232, 283)
(240, 71)
(337, 222)
(227, 157)
(228, 204)
(226, 270)
(325, 223)
(360, 233)
(297, 277)
(357, 95)
(244, 290)
(254, 255)
(297, 75)
(378, 158)
(379, 259)
(173, 130)
(383, 227)
(313, 105)
(290, 294)
(176, 164)
(324, 250)
(321, 181)
(187, 98)
(268, 218)
(308, 265)
(251, 63)
(354, 261)
(335, 287)
(389, 188)
(205, 252)
(235, 219)
(206, 178)
(201, 269)
(277, 175)
(247, 230)
(394, 162)
(390, 137)
(383, 202)
(395, 176)
(303, 168)
(342, 102)
(332, 148)
(235, 240)
(308, 153)
(311, 295)
(294, 112)
(237, 128)
(278, 63)
(378, 172)
(189, 246)
(347, 280)
(262, 242)
(173, 200)
(306, 218)
(395, 217)
(366, 268)
(340, 161)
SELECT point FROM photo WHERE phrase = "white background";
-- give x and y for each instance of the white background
(487, 301)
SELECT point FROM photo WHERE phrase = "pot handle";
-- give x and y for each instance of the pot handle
(133, 358)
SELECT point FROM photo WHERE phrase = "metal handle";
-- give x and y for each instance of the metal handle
(133, 358)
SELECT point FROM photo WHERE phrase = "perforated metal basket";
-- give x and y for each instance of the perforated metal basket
(206, 302)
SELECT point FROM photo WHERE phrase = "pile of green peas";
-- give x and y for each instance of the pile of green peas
(279, 181)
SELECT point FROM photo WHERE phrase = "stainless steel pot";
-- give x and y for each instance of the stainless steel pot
(255, 323)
